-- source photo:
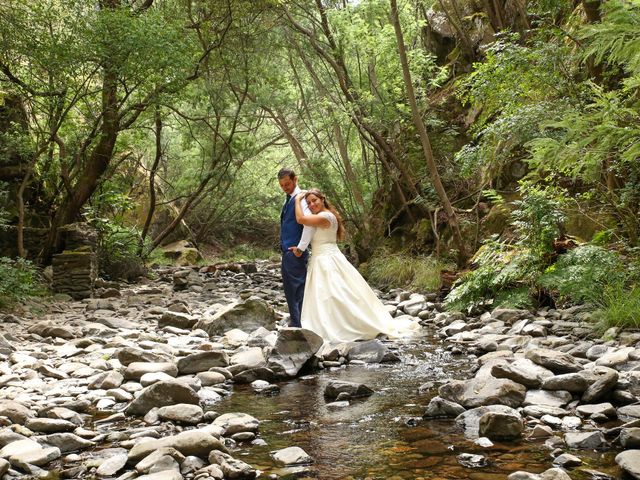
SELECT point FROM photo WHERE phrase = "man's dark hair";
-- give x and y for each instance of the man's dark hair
(286, 172)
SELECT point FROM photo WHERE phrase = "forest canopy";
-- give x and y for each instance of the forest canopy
(499, 136)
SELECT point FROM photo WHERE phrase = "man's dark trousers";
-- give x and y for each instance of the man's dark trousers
(294, 269)
(294, 274)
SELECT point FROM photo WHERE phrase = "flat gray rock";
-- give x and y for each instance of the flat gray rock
(182, 413)
(585, 440)
(550, 398)
(441, 408)
(232, 467)
(292, 456)
(629, 413)
(161, 394)
(67, 442)
(130, 355)
(570, 382)
(236, 422)
(522, 371)
(629, 461)
(248, 316)
(202, 361)
(557, 362)
(630, 437)
(191, 442)
(487, 390)
(49, 425)
(112, 465)
(598, 409)
(136, 370)
(470, 419)
(15, 411)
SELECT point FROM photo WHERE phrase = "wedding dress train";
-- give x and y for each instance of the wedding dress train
(338, 303)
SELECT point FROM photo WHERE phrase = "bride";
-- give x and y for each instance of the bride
(338, 303)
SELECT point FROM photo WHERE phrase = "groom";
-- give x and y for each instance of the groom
(294, 240)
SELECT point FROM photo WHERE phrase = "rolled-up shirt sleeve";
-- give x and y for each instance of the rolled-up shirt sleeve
(307, 232)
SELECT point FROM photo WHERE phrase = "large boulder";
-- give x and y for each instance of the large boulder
(136, 370)
(629, 461)
(293, 348)
(470, 419)
(353, 389)
(129, 355)
(522, 371)
(176, 319)
(190, 442)
(182, 253)
(557, 362)
(202, 361)
(485, 390)
(161, 394)
(232, 423)
(441, 408)
(603, 381)
(249, 315)
(15, 411)
(232, 467)
(371, 351)
(501, 425)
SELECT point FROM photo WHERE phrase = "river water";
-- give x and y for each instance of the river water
(383, 436)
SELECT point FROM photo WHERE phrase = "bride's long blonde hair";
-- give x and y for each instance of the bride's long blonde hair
(314, 191)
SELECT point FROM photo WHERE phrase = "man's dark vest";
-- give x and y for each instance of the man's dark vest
(290, 230)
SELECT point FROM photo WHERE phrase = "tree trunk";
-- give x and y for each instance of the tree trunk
(152, 181)
(424, 137)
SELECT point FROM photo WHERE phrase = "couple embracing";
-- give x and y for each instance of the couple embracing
(324, 292)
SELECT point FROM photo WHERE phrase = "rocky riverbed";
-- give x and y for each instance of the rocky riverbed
(140, 383)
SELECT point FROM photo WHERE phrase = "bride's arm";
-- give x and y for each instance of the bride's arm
(310, 220)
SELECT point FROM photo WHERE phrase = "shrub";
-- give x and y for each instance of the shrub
(507, 273)
(19, 279)
(504, 278)
(584, 274)
(402, 270)
(118, 256)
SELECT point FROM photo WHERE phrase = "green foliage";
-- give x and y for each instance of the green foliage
(19, 279)
(504, 278)
(584, 274)
(616, 40)
(118, 251)
(402, 270)
(507, 273)
(537, 218)
(4, 214)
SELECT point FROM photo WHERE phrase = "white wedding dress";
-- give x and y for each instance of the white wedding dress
(338, 303)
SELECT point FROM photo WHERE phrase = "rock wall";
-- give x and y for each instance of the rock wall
(76, 268)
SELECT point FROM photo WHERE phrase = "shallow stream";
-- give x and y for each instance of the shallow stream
(383, 436)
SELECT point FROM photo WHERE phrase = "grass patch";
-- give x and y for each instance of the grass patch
(620, 308)
(242, 253)
(402, 270)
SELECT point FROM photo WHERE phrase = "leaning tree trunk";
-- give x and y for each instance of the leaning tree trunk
(152, 181)
(424, 137)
